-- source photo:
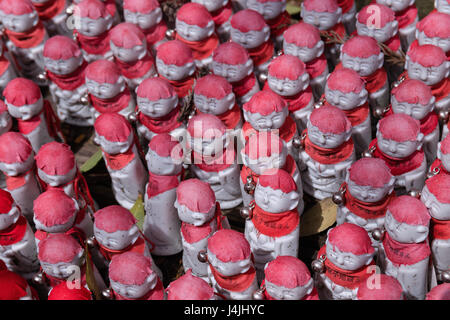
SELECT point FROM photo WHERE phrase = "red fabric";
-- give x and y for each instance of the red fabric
(230, 118)
(138, 246)
(242, 87)
(345, 5)
(357, 115)
(52, 122)
(201, 49)
(394, 43)
(13, 183)
(136, 69)
(406, 17)
(4, 65)
(295, 102)
(373, 82)
(338, 28)
(77, 233)
(441, 90)
(182, 87)
(438, 164)
(53, 282)
(346, 278)
(159, 184)
(222, 15)
(14, 233)
(157, 293)
(275, 224)
(237, 283)
(156, 33)
(164, 124)
(440, 229)
(328, 156)
(399, 166)
(120, 160)
(193, 234)
(317, 66)
(98, 45)
(427, 124)
(113, 105)
(214, 163)
(261, 54)
(367, 210)
(49, 9)
(70, 81)
(405, 253)
(111, 7)
(286, 132)
(29, 39)
(279, 24)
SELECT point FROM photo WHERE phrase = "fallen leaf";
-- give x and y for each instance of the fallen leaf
(318, 218)
(90, 277)
(92, 161)
(138, 211)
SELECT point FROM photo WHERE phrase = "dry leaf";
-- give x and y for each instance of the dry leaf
(317, 219)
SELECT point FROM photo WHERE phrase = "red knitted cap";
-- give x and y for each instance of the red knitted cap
(55, 158)
(277, 179)
(61, 48)
(389, 289)
(92, 9)
(189, 287)
(14, 147)
(427, 55)
(371, 172)
(330, 119)
(206, 126)
(385, 14)
(265, 102)
(127, 35)
(413, 91)
(361, 47)
(54, 207)
(213, 86)
(21, 91)
(58, 247)
(229, 245)
(155, 89)
(174, 52)
(439, 186)
(302, 34)
(113, 126)
(440, 292)
(247, 20)
(230, 53)
(435, 25)
(130, 268)
(349, 237)
(17, 7)
(103, 71)
(114, 218)
(345, 80)
(399, 127)
(288, 272)
(166, 146)
(321, 5)
(12, 286)
(194, 14)
(196, 195)
(141, 6)
(287, 66)
(6, 202)
(409, 210)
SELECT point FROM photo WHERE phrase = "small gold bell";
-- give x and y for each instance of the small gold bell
(202, 256)
(258, 294)
(377, 234)
(132, 117)
(379, 112)
(368, 153)
(398, 82)
(246, 213)
(107, 294)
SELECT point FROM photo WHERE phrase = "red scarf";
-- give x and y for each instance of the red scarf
(49, 9)
(317, 66)
(399, 166)
(312, 296)
(289, 167)
(441, 90)
(349, 279)
(262, 53)
(328, 156)
(120, 160)
(214, 163)
(230, 118)
(138, 246)
(427, 124)
(16, 182)
(182, 87)
(297, 101)
(193, 234)
(14, 233)
(136, 69)
(52, 121)
(440, 229)
(77, 233)
(158, 184)
(394, 43)
(28, 39)
(164, 124)
(279, 24)
(4, 65)
(157, 293)
(405, 253)
(406, 17)
(98, 45)
(236, 283)
(242, 87)
(286, 132)
(155, 33)
(201, 49)
(113, 105)
(222, 15)
(345, 5)
(367, 210)
(275, 224)
(70, 81)
(356, 115)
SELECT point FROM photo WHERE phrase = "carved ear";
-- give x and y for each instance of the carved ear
(246, 116)
(97, 139)
(320, 47)
(380, 60)
(395, 27)
(266, 30)
(420, 137)
(295, 198)
(417, 34)
(369, 258)
(110, 21)
(305, 78)
(363, 94)
(190, 65)
(439, 152)
(309, 286)
(302, 7)
(231, 98)
(447, 64)
(211, 28)
(339, 12)
(433, 103)
(249, 66)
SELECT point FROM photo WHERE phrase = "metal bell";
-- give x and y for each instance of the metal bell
(249, 186)
(377, 234)
(297, 143)
(338, 199)
(91, 242)
(398, 82)
(446, 276)
(84, 100)
(379, 112)
(202, 256)
(132, 117)
(368, 153)
(414, 193)
(107, 293)
(39, 278)
(263, 77)
(318, 266)
(70, 9)
(42, 76)
(170, 34)
(258, 294)
(444, 115)
(246, 213)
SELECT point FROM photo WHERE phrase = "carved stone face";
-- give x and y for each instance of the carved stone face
(345, 101)
(193, 32)
(135, 291)
(25, 112)
(62, 270)
(105, 90)
(57, 180)
(268, 10)
(164, 166)
(275, 120)
(229, 268)
(5, 122)
(326, 140)
(118, 240)
(363, 66)
(143, 20)
(212, 5)
(212, 105)
(114, 147)
(442, 6)
(275, 201)
(232, 73)
(404, 233)
(443, 43)
(283, 293)
(368, 193)
(8, 219)
(251, 39)
(397, 149)
(92, 28)
(416, 111)
(19, 23)
(429, 75)
(437, 209)
(195, 218)
(174, 72)
(17, 168)
(56, 228)
(303, 53)
(346, 260)
(63, 66)
(209, 147)
(262, 164)
(380, 34)
(157, 108)
(396, 5)
(287, 87)
(129, 54)
(321, 20)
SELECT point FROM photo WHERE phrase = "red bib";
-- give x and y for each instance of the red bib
(440, 229)
(328, 156)
(317, 66)
(113, 105)
(28, 39)
(159, 184)
(399, 166)
(164, 124)
(49, 9)
(136, 69)
(262, 53)
(405, 253)
(275, 224)
(242, 87)
(16, 182)
(193, 234)
(15, 233)
(236, 283)
(138, 246)
(222, 15)
(182, 87)
(156, 33)
(98, 45)
(157, 293)
(70, 81)
(406, 17)
(120, 160)
(201, 49)
(279, 24)
(441, 90)
(230, 118)
(367, 210)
